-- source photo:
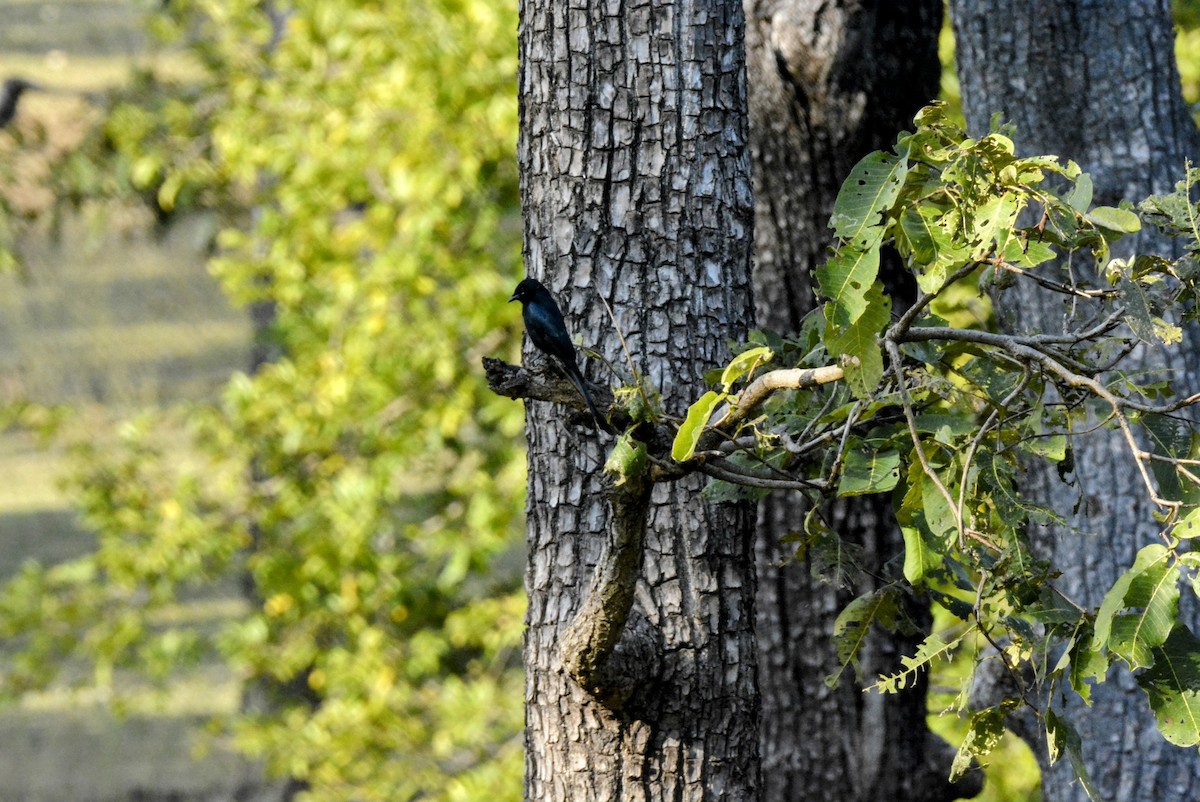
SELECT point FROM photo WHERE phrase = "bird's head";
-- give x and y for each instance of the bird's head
(528, 290)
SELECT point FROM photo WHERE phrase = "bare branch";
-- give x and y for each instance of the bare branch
(760, 389)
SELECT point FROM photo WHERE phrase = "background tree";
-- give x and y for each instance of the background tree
(636, 190)
(1095, 82)
(829, 83)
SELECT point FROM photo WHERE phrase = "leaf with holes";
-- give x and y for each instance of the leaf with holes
(868, 471)
(853, 624)
(873, 186)
(1173, 687)
(845, 280)
(1062, 738)
(983, 735)
(1151, 589)
(860, 342)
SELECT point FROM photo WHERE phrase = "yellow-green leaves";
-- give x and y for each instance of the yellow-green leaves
(743, 364)
(1122, 221)
(984, 732)
(698, 414)
(866, 471)
(845, 280)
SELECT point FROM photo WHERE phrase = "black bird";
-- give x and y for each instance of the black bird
(10, 93)
(546, 328)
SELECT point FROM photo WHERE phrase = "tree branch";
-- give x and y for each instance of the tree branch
(760, 389)
(608, 659)
(544, 384)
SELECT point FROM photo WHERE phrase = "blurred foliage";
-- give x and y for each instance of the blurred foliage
(1186, 13)
(365, 485)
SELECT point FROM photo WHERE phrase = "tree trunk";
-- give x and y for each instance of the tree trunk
(829, 83)
(1095, 82)
(636, 188)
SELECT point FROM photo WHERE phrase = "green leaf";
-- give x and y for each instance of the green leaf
(1062, 738)
(693, 425)
(919, 558)
(872, 186)
(926, 235)
(721, 492)
(1173, 687)
(1151, 587)
(1121, 221)
(922, 552)
(1173, 439)
(1188, 526)
(867, 471)
(743, 363)
(992, 221)
(1080, 196)
(1052, 447)
(1113, 601)
(845, 279)
(860, 341)
(1088, 666)
(932, 648)
(984, 733)
(1027, 252)
(1137, 309)
(853, 624)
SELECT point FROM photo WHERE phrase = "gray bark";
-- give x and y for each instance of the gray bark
(1095, 82)
(829, 83)
(636, 187)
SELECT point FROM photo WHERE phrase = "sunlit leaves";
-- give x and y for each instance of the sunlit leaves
(933, 648)
(693, 425)
(845, 279)
(984, 731)
(1122, 221)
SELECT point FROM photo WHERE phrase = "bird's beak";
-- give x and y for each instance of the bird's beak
(513, 298)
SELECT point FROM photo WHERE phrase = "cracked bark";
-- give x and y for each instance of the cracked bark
(1095, 82)
(829, 83)
(636, 187)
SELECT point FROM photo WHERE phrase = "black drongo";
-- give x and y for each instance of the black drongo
(546, 328)
(10, 93)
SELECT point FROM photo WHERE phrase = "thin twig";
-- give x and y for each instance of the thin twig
(893, 351)
(727, 473)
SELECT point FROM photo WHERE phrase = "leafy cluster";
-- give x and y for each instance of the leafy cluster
(363, 486)
(946, 418)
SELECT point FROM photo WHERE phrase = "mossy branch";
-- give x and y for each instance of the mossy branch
(607, 659)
